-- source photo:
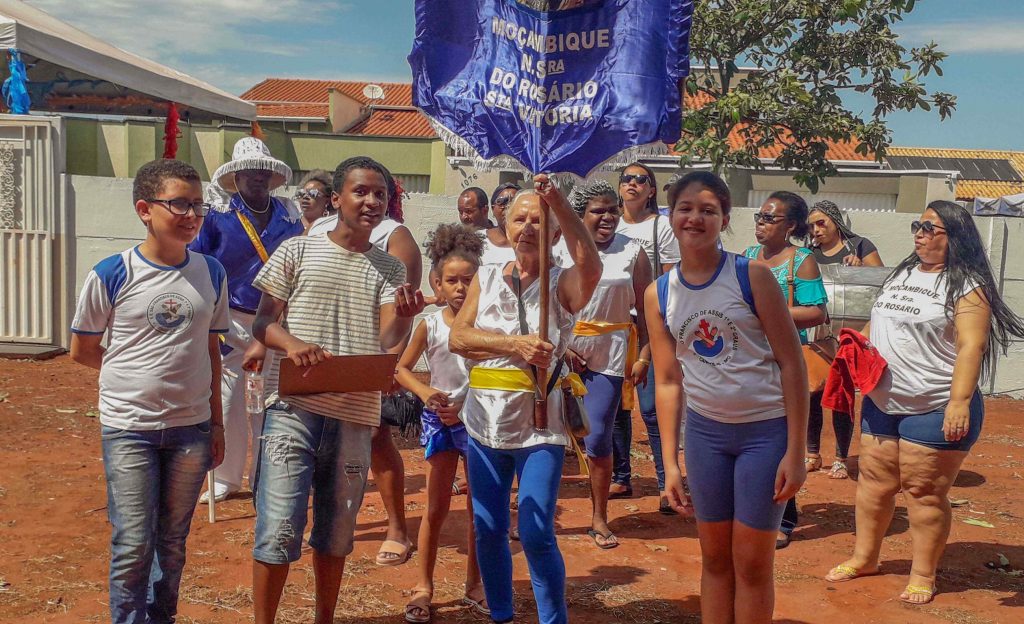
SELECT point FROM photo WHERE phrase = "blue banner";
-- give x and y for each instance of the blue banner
(559, 89)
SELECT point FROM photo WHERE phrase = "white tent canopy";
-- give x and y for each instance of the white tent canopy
(1007, 206)
(68, 68)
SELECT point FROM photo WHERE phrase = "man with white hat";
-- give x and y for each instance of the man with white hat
(242, 238)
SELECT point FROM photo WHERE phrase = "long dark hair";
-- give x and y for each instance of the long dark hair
(652, 201)
(967, 265)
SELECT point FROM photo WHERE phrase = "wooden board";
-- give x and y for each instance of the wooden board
(341, 373)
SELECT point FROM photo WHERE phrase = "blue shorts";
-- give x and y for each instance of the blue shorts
(437, 437)
(731, 469)
(924, 429)
(301, 451)
(602, 402)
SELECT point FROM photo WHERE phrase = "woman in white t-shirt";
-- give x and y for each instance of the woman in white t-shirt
(641, 221)
(938, 322)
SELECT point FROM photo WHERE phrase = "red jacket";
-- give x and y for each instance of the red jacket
(857, 365)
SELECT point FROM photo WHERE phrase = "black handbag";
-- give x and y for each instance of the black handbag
(574, 414)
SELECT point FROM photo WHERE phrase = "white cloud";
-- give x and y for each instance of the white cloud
(979, 37)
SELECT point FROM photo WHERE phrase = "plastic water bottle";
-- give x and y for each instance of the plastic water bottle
(253, 392)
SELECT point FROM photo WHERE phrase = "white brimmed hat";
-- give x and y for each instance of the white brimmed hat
(251, 154)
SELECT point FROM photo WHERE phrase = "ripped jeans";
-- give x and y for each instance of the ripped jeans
(300, 451)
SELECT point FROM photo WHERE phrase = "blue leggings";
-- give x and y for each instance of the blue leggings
(539, 469)
(622, 436)
(602, 401)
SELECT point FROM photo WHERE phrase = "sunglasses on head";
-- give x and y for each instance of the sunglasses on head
(927, 227)
(503, 201)
(640, 179)
(309, 194)
(768, 218)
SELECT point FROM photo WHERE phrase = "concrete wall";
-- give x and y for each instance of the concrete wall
(105, 223)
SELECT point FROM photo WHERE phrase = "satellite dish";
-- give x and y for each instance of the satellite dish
(373, 92)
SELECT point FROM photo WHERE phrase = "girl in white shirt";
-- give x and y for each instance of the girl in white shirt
(938, 323)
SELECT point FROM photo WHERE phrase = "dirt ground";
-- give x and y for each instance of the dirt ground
(54, 537)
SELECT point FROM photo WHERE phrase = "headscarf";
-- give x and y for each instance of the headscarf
(581, 194)
(832, 211)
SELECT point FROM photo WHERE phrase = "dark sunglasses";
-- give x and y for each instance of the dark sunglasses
(927, 227)
(640, 179)
(503, 201)
(310, 194)
(768, 219)
(180, 206)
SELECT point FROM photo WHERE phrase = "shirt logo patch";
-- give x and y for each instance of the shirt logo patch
(170, 313)
(711, 335)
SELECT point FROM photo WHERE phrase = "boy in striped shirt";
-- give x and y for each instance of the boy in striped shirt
(324, 295)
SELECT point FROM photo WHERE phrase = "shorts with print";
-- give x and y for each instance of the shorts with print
(302, 451)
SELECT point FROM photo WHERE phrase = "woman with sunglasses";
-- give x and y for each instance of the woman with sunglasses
(638, 190)
(314, 197)
(783, 217)
(497, 249)
(720, 319)
(938, 322)
(833, 242)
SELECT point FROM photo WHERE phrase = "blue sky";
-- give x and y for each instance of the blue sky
(234, 44)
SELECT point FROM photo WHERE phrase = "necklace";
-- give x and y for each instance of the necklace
(253, 210)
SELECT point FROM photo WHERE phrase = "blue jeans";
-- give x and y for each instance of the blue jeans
(539, 469)
(622, 436)
(153, 484)
(302, 451)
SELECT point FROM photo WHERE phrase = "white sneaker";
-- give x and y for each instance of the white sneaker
(221, 492)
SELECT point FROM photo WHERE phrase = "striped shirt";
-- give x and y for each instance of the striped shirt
(334, 298)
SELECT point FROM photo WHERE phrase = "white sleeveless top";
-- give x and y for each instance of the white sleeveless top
(448, 371)
(500, 419)
(379, 237)
(730, 369)
(493, 254)
(612, 302)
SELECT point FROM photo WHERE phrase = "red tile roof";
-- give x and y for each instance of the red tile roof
(394, 122)
(298, 97)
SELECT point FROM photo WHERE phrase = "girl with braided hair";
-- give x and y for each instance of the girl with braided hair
(832, 241)
(608, 350)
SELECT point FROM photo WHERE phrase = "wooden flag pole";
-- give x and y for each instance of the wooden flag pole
(213, 499)
(540, 407)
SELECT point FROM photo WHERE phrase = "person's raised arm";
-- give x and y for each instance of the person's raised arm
(476, 344)
(973, 320)
(805, 316)
(641, 280)
(668, 398)
(785, 343)
(267, 329)
(576, 285)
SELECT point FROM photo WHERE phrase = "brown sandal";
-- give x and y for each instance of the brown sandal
(417, 610)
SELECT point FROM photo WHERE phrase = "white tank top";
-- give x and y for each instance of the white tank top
(730, 370)
(501, 419)
(493, 254)
(448, 371)
(379, 237)
(612, 301)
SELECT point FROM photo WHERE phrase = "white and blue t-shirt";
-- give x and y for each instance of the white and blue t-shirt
(156, 371)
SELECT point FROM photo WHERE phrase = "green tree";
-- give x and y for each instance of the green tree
(809, 53)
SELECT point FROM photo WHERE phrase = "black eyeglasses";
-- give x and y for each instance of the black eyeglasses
(180, 206)
(640, 179)
(768, 218)
(310, 194)
(927, 227)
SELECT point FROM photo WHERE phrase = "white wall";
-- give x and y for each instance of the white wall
(105, 223)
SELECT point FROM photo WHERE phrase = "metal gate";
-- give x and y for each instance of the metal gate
(31, 160)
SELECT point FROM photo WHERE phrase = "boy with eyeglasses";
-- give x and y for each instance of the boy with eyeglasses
(161, 308)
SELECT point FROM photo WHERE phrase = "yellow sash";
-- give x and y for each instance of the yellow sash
(516, 380)
(600, 328)
(253, 236)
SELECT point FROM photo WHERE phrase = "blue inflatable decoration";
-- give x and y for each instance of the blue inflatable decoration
(15, 89)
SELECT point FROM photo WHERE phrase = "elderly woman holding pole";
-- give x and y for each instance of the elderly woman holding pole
(502, 325)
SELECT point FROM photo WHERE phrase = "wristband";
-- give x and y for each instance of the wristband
(644, 362)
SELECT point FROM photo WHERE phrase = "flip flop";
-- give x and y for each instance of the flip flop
(417, 610)
(917, 590)
(842, 573)
(393, 547)
(626, 493)
(607, 545)
(480, 606)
